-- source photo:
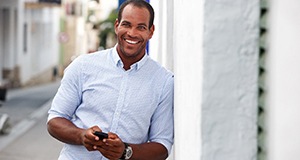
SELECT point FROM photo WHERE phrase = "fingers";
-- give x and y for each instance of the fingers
(113, 147)
(89, 140)
(95, 128)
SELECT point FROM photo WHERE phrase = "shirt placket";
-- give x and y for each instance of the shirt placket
(120, 102)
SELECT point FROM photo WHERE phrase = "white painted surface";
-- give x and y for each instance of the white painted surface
(178, 47)
(43, 44)
(215, 51)
(283, 81)
(229, 106)
(42, 39)
(188, 70)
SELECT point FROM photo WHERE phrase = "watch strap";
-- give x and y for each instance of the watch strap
(124, 152)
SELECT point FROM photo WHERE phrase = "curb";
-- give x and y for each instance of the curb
(24, 125)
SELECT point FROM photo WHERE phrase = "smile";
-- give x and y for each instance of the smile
(131, 42)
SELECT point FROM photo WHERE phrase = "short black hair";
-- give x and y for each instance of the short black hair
(140, 4)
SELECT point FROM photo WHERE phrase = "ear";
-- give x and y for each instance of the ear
(151, 31)
(116, 25)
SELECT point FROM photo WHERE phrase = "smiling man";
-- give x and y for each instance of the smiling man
(119, 91)
(133, 30)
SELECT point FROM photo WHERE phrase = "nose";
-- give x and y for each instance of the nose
(131, 32)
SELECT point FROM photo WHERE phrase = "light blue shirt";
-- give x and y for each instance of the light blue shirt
(136, 104)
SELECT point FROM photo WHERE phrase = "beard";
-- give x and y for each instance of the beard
(135, 52)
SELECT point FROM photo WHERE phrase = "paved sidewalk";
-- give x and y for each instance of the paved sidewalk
(23, 101)
(34, 144)
(29, 139)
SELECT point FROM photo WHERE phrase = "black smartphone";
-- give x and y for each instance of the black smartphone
(101, 135)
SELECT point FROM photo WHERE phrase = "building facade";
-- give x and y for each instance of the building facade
(29, 44)
(236, 77)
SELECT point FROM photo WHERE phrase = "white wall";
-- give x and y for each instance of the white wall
(176, 44)
(43, 45)
(229, 106)
(188, 70)
(8, 3)
(214, 47)
(283, 72)
(8, 29)
(10, 49)
(161, 44)
(42, 39)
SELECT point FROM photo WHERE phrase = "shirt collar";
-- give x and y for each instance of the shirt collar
(117, 60)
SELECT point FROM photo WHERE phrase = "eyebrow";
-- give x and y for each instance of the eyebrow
(125, 21)
(139, 24)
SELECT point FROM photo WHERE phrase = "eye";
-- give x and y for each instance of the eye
(142, 28)
(125, 24)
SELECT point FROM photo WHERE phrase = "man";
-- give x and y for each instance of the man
(120, 91)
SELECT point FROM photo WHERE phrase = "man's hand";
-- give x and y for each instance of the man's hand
(112, 148)
(91, 141)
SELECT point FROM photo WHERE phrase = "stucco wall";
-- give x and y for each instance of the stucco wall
(214, 47)
(42, 42)
(229, 107)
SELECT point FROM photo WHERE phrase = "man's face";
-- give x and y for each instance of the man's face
(133, 32)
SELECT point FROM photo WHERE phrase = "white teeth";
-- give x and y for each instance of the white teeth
(131, 42)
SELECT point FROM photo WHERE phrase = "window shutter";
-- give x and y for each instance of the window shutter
(261, 152)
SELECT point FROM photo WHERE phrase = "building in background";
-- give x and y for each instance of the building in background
(79, 27)
(100, 24)
(72, 33)
(28, 41)
(39, 38)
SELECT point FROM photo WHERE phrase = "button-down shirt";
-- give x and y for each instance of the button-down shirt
(136, 104)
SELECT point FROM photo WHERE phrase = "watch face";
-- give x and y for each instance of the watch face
(128, 152)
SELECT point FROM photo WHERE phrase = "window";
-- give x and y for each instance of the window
(25, 38)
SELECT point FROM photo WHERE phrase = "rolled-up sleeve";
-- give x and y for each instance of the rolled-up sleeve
(68, 96)
(162, 127)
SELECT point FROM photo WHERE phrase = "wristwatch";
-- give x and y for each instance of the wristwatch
(127, 153)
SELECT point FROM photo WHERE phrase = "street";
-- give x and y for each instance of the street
(28, 138)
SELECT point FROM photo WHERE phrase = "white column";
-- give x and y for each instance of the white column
(155, 42)
(188, 62)
(283, 92)
(169, 30)
(161, 44)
